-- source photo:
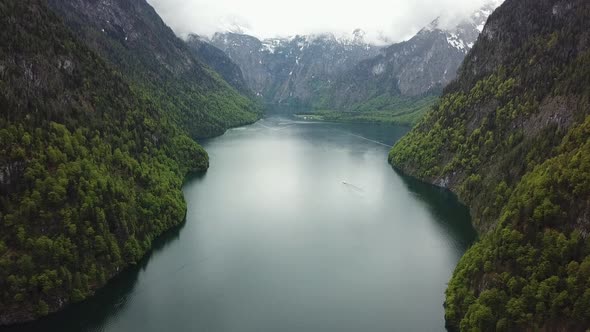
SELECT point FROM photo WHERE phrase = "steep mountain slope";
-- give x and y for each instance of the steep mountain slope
(90, 173)
(511, 136)
(293, 70)
(133, 38)
(407, 72)
(218, 61)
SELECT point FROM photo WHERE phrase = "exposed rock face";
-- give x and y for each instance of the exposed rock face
(342, 73)
(420, 66)
(218, 61)
(248, 53)
(133, 24)
(131, 36)
(293, 70)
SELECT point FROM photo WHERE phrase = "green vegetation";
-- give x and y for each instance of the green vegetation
(536, 263)
(200, 114)
(91, 166)
(160, 67)
(513, 141)
(405, 111)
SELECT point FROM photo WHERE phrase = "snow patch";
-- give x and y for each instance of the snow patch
(378, 69)
(456, 42)
(270, 46)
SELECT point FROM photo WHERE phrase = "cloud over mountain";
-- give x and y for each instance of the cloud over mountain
(384, 21)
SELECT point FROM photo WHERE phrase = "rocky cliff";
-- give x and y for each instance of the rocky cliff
(293, 70)
(347, 78)
(131, 36)
(410, 70)
(218, 61)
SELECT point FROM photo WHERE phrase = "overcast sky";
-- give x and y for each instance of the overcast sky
(394, 20)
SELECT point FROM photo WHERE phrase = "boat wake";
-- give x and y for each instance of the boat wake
(350, 185)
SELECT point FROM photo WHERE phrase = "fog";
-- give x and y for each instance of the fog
(384, 21)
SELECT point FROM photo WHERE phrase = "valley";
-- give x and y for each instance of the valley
(154, 178)
(293, 247)
(348, 79)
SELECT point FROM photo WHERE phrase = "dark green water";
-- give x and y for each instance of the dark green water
(297, 226)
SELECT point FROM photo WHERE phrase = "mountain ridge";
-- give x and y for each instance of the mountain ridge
(347, 78)
(292, 70)
(134, 39)
(420, 66)
(218, 61)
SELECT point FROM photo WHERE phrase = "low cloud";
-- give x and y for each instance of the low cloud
(382, 20)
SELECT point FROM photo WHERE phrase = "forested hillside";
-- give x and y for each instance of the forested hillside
(91, 166)
(131, 36)
(511, 136)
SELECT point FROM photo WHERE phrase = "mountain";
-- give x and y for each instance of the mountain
(511, 136)
(399, 78)
(293, 70)
(347, 78)
(90, 169)
(218, 61)
(135, 40)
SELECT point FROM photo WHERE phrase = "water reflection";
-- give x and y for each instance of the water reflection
(451, 216)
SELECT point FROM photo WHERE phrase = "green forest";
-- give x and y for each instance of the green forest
(511, 136)
(395, 110)
(91, 161)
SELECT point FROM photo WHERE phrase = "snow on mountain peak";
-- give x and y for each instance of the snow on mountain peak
(461, 35)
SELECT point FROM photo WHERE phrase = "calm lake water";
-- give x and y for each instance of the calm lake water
(297, 226)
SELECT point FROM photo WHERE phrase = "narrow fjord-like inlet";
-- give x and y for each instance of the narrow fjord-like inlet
(296, 226)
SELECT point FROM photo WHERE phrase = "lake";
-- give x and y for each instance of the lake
(297, 226)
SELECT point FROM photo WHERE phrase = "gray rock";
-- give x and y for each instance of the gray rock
(293, 70)
(423, 65)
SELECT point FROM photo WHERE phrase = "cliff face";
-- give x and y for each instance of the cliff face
(218, 61)
(421, 66)
(511, 136)
(347, 78)
(131, 36)
(293, 70)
